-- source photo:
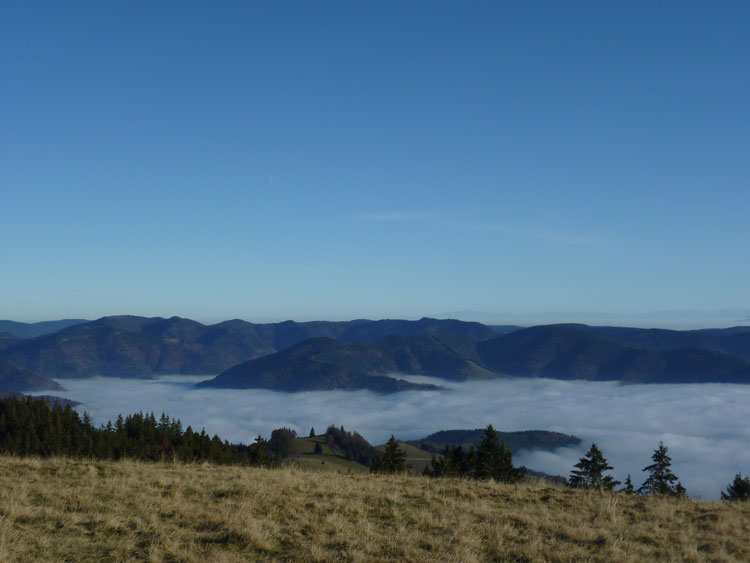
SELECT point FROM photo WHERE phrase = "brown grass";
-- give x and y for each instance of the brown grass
(66, 510)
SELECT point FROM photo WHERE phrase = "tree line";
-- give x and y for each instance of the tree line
(31, 426)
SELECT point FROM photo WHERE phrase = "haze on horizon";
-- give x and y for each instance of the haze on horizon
(339, 160)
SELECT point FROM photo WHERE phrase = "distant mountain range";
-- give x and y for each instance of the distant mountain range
(356, 354)
(735, 340)
(553, 351)
(30, 330)
(127, 346)
(680, 319)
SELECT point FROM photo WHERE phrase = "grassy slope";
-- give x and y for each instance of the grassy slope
(333, 459)
(330, 460)
(55, 510)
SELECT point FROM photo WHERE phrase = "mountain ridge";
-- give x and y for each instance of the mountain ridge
(30, 330)
(130, 346)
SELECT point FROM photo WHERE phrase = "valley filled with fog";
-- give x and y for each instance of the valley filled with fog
(703, 425)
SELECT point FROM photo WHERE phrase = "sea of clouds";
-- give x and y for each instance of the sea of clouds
(705, 426)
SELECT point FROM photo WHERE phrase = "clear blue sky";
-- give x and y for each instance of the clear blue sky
(273, 160)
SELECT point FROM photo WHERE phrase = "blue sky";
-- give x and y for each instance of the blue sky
(338, 160)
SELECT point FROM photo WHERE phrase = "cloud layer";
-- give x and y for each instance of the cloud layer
(704, 426)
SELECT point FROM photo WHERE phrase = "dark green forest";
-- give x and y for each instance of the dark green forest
(33, 427)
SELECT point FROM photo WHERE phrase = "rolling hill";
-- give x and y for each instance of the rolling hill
(325, 363)
(13, 378)
(515, 441)
(50, 399)
(317, 364)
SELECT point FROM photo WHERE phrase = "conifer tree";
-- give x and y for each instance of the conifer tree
(259, 453)
(494, 460)
(738, 490)
(450, 464)
(391, 460)
(590, 472)
(628, 488)
(661, 479)
(436, 467)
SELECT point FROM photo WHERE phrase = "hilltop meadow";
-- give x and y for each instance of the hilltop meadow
(61, 509)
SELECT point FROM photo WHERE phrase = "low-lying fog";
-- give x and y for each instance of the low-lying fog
(704, 426)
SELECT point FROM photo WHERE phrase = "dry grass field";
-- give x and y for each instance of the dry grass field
(67, 510)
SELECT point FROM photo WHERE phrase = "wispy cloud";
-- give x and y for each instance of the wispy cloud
(529, 232)
(704, 426)
(462, 223)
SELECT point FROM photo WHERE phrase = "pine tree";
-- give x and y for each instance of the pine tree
(312, 432)
(679, 490)
(436, 467)
(450, 464)
(259, 453)
(661, 479)
(738, 490)
(590, 472)
(628, 488)
(494, 460)
(391, 460)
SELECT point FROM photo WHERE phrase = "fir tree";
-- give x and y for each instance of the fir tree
(436, 467)
(661, 479)
(590, 472)
(494, 460)
(451, 464)
(391, 460)
(679, 490)
(312, 432)
(738, 490)
(259, 453)
(628, 488)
